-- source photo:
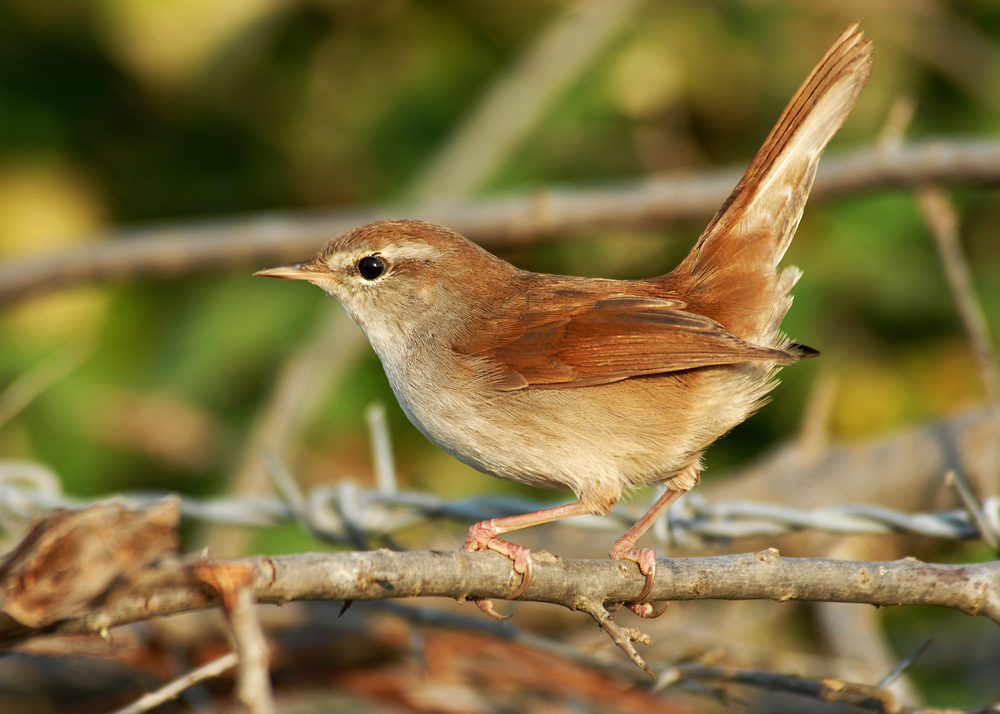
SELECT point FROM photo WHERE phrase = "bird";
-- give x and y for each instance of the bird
(594, 385)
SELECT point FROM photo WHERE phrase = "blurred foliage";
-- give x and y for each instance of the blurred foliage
(119, 112)
(114, 112)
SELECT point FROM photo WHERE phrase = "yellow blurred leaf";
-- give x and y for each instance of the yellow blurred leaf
(166, 41)
(644, 79)
(45, 204)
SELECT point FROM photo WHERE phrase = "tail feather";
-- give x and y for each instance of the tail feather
(730, 274)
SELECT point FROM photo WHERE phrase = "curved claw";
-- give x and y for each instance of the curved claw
(484, 536)
(650, 579)
(527, 571)
(645, 558)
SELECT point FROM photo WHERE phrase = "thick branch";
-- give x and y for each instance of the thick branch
(576, 584)
(187, 248)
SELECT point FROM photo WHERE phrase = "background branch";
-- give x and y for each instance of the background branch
(514, 104)
(180, 249)
(175, 687)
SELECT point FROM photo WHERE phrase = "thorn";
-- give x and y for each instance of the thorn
(904, 665)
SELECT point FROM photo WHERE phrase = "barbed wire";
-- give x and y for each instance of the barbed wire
(346, 513)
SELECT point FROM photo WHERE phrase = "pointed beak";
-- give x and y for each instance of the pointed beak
(306, 270)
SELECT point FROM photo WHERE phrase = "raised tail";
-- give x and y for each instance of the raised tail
(730, 274)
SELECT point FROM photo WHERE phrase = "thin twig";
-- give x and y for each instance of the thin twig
(940, 215)
(575, 584)
(897, 121)
(958, 483)
(385, 464)
(23, 391)
(181, 249)
(254, 679)
(286, 485)
(625, 637)
(174, 688)
(826, 689)
(814, 434)
(298, 391)
(898, 670)
(513, 105)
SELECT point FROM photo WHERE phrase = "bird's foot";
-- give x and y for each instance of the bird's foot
(645, 558)
(484, 536)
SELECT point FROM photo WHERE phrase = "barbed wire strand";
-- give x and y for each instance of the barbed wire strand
(345, 513)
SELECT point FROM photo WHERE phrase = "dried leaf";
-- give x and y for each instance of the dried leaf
(69, 559)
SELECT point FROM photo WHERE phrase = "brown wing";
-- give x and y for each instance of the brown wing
(596, 340)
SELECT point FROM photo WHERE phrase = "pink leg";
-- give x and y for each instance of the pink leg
(624, 548)
(487, 535)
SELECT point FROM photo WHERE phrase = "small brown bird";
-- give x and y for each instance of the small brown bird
(588, 384)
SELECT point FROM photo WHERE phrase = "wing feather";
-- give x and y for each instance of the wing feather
(595, 340)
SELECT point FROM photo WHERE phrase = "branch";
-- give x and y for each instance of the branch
(181, 249)
(514, 103)
(941, 218)
(827, 689)
(576, 584)
(173, 689)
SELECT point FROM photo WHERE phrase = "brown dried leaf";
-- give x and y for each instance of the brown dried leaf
(69, 559)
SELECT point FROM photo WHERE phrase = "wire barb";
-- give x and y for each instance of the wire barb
(347, 514)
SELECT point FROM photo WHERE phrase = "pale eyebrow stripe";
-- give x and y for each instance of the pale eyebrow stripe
(416, 251)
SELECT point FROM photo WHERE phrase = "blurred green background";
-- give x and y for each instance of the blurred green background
(115, 113)
(118, 113)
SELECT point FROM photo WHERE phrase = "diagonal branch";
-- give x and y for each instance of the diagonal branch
(173, 689)
(515, 102)
(941, 217)
(180, 249)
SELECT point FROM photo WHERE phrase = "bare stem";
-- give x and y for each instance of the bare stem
(187, 248)
(173, 689)
(943, 221)
(971, 588)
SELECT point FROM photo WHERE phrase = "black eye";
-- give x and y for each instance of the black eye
(371, 267)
